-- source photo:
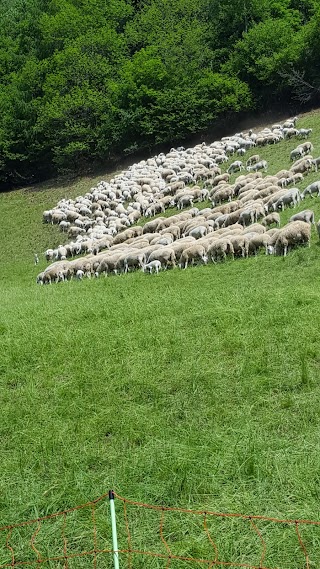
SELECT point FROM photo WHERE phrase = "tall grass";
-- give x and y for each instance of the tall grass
(195, 388)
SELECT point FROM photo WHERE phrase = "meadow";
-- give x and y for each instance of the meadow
(197, 388)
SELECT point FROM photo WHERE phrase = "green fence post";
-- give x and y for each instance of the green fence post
(114, 530)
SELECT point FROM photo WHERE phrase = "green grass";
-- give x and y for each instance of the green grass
(194, 388)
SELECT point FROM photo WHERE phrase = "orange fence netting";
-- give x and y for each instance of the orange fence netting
(176, 537)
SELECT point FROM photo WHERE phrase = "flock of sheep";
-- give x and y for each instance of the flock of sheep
(243, 217)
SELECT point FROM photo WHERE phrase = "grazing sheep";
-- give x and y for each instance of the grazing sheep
(296, 153)
(219, 249)
(152, 266)
(313, 188)
(291, 198)
(235, 167)
(165, 255)
(315, 163)
(259, 241)
(240, 244)
(253, 160)
(271, 219)
(295, 233)
(262, 165)
(194, 253)
(304, 132)
(302, 166)
(307, 215)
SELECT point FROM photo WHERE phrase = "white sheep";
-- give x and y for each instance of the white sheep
(194, 253)
(295, 233)
(153, 266)
(235, 167)
(313, 188)
(306, 215)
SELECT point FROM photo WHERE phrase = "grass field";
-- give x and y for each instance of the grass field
(196, 388)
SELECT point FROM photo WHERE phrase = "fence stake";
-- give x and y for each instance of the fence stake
(114, 530)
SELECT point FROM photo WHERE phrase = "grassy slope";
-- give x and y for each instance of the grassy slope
(196, 388)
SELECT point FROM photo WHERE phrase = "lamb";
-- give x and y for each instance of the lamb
(184, 201)
(271, 219)
(295, 233)
(247, 217)
(153, 266)
(253, 160)
(307, 215)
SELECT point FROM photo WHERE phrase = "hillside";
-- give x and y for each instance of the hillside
(195, 388)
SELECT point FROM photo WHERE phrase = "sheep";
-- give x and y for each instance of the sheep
(223, 194)
(184, 201)
(235, 167)
(313, 188)
(271, 218)
(198, 232)
(296, 153)
(134, 260)
(194, 253)
(302, 166)
(307, 215)
(258, 241)
(253, 160)
(291, 198)
(262, 165)
(304, 132)
(295, 233)
(165, 255)
(221, 178)
(240, 244)
(318, 228)
(219, 249)
(315, 163)
(153, 266)
(246, 217)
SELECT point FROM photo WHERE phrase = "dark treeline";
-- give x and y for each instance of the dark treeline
(84, 81)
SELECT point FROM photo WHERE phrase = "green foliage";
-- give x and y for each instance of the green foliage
(83, 80)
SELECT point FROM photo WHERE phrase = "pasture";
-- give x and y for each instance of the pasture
(194, 388)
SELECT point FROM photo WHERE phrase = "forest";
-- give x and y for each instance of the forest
(83, 82)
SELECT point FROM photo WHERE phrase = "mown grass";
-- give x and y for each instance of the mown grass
(194, 388)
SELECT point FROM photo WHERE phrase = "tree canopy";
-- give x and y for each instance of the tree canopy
(82, 81)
